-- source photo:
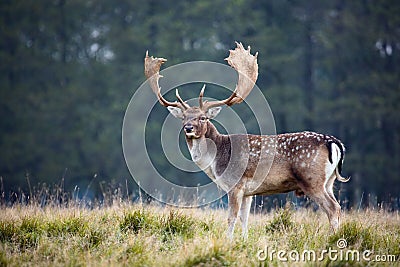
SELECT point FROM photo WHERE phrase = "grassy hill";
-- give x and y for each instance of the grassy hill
(125, 234)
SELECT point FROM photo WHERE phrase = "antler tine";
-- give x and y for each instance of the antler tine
(185, 105)
(246, 65)
(152, 72)
(201, 96)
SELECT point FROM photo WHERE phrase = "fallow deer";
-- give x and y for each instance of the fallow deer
(245, 165)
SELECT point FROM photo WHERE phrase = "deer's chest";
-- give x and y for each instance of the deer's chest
(203, 153)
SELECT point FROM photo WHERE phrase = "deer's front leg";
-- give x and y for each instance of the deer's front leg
(235, 197)
(244, 214)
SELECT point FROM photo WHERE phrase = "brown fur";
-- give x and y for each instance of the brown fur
(297, 163)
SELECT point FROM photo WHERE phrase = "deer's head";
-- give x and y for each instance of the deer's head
(195, 119)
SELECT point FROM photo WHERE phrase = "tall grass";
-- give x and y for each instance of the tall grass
(126, 234)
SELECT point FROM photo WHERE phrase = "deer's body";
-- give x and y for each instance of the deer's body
(247, 165)
(303, 162)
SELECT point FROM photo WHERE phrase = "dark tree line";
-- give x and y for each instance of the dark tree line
(68, 69)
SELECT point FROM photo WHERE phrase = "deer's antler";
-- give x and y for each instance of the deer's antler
(152, 71)
(246, 66)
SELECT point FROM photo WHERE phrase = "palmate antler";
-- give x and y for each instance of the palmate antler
(152, 71)
(246, 66)
(240, 59)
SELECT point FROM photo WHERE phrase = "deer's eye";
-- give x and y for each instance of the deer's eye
(203, 118)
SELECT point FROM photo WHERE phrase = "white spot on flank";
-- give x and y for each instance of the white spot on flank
(316, 157)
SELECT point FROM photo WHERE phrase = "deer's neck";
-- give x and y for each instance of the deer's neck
(212, 133)
(206, 149)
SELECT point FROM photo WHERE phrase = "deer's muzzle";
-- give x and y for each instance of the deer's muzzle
(188, 128)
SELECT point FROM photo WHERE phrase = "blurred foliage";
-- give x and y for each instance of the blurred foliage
(68, 69)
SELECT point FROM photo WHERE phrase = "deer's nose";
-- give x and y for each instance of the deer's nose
(188, 128)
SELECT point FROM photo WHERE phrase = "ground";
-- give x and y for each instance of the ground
(126, 234)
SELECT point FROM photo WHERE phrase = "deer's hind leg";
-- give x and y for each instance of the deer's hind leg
(318, 191)
(331, 208)
(329, 189)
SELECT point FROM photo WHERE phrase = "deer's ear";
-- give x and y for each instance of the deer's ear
(176, 112)
(212, 112)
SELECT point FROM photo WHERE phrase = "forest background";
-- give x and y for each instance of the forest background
(69, 68)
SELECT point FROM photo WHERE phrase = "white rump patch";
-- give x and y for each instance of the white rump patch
(330, 167)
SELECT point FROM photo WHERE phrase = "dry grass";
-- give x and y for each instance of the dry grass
(135, 235)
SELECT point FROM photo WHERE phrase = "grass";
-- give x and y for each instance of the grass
(126, 234)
